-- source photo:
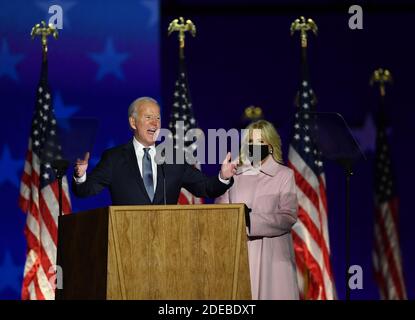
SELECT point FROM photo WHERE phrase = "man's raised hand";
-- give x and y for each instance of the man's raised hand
(228, 168)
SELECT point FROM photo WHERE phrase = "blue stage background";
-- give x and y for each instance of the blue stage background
(244, 55)
(111, 52)
(106, 56)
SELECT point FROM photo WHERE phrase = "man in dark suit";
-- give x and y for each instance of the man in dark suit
(132, 174)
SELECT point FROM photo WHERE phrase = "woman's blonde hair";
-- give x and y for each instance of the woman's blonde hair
(270, 136)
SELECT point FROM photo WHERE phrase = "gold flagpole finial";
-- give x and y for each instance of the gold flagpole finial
(303, 26)
(253, 113)
(381, 76)
(42, 30)
(181, 26)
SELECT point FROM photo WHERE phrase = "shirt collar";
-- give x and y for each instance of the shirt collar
(138, 147)
(270, 167)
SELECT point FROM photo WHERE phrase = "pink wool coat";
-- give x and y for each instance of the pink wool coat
(271, 194)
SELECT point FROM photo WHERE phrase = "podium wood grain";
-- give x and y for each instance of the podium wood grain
(156, 252)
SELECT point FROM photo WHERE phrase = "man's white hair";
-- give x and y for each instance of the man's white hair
(132, 109)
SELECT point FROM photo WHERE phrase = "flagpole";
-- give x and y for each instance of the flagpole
(43, 31)
(182, 111)
(55, 161)
(381, 77)
(181, 26)
(304, 25)
(58, 164)
(385, 195)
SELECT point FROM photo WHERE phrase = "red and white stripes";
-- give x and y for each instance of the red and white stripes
(42, 208)
(386, 255)
(310, 233)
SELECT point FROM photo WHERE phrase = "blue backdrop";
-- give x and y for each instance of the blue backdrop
(111, 52)
(106, 56)
(244, 54)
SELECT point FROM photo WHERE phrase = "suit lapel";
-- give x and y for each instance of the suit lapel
(135, 170)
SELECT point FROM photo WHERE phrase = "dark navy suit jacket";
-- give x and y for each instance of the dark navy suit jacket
(118, 170)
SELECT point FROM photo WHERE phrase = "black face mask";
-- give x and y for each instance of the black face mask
(258, 150)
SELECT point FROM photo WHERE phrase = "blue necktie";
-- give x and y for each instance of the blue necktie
(148, 174)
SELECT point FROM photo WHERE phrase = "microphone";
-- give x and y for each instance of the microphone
(164, 183)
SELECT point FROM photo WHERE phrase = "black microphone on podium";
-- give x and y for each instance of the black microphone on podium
(164, 182)
(161, 161)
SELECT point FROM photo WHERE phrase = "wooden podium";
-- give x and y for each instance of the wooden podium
(155, 252)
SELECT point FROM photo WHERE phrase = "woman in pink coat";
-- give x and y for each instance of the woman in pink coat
(268, 188)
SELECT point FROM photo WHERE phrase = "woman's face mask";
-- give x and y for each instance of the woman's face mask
(258, 152)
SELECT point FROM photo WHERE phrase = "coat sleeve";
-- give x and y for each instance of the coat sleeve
(201, 185)
(280, 220)
(224, 198)
(97, 180)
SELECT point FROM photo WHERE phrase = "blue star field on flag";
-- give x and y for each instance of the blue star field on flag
(302, 140)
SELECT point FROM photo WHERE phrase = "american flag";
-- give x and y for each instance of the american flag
(182, 118)
(310, 233)
(39, 198)
(386, 255)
